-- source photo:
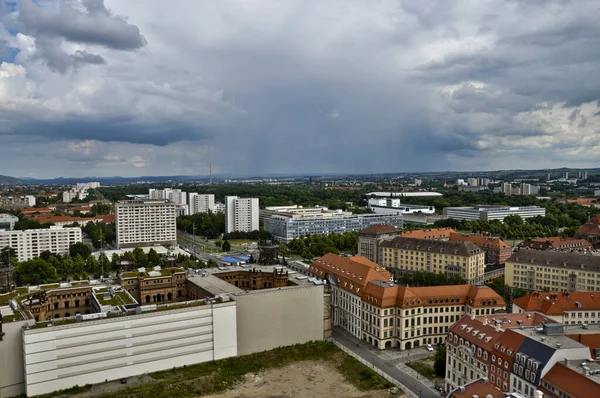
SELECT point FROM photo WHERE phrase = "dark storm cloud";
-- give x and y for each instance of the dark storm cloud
(50, 52)
(96, 26)
(123, 129)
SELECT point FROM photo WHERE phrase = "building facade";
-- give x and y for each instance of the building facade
(241, 214)
(286, 228)
(145, 223)
(590, 231)
(201, 203)
(489, 213)
(554, 271)
(166, 285)
(401, 255)
(32, 242)
(562, 307)
(371, 308)
(557, 244)
(496, 250)
(369, 237)
(8, 221)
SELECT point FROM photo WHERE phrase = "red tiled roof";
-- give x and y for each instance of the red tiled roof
(480, 389)
(481, 241)
(591, 340)
(556, 303)
(592, 227)
(573, 383)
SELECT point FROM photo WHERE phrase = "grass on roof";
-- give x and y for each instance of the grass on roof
(120, 298)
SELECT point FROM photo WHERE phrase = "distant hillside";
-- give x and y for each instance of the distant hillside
(6, 180)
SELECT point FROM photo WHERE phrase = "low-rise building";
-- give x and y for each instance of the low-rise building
(496, 250)
(559, 244)
(492, 212)
(394, 206)
(555, 271)
(590, 231)
(369, 237)
(31, 243)
(464, 259)
(562, 307)
(368, 305)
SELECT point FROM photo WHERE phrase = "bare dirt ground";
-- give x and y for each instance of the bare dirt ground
(308, 379)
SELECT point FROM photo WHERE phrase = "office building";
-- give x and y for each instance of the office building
(241, 214)
(369, 237)
(290, 225)
(492, 212)
(394, 206)
(32, 242)
(522, 355)
(562, 307)
(218, 320)
(554, 271)
(201, 203)
(401, 255)
(8, 221)
(496, 250)
(365, 303)
(145, 223)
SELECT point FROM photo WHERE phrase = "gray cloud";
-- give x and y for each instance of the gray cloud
(96, 26)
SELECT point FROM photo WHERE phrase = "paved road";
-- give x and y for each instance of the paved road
(388, 367)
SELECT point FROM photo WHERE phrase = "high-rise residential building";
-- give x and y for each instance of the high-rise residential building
(565, 175)
(405, 255)
(370, 236)
(145, 222)
(32, 242)
(582, 175)
(201, 203)
(241, 214)
(507, 188)
(525, 189)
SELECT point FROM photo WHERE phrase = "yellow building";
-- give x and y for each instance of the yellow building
(400, 255)
(553, 271)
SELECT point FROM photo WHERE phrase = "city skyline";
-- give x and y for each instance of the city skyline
(107, 88)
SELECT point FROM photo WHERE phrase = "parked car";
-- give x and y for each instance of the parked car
(429, 347)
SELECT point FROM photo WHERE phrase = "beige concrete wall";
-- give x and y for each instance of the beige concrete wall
(12, 379)
(279, 317)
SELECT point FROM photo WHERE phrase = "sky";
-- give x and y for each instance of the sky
(256, 87)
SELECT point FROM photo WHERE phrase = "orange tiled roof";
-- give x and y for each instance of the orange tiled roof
(592, 227)
(570, 381)
(480, 389)
(481, 241)
(80, 220)
(591, 340)
(556, 303)
(434, 233)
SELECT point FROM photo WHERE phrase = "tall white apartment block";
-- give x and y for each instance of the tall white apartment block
(201, 203)
(32, 242)
(145, 222)
(241, 214)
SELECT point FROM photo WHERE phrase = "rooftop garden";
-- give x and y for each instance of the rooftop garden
(120, 298)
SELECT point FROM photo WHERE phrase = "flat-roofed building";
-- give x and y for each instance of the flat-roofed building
(400, 255)
(31, 243)
(555, 271)
(496, 250)
(241, 214)
(8, 221)
(369, 237)
(201, 203)
(492, 212)
(146, 223)
(292, 223)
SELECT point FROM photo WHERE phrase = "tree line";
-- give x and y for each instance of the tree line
(311, 246)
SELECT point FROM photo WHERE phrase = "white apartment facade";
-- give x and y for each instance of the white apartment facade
(241, 214)
(201, 203)
(145, 222)
(32, 242)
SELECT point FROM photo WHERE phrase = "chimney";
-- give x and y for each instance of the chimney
(586, 371)
(472, 314)
(498, 324)
(485, 321)
(538, 394)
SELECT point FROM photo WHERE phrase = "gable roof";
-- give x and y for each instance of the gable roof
(592, 340)
(479, 240)
(433, 246)
(592, 227)
(574, 383)
(555, 259)
(556, 303)
(432, 233)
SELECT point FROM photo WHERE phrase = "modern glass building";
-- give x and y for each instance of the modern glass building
(286, 228)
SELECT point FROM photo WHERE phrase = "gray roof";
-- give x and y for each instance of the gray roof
(555, 259)
(434, 246)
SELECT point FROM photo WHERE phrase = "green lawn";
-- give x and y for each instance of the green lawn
(423, 368)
